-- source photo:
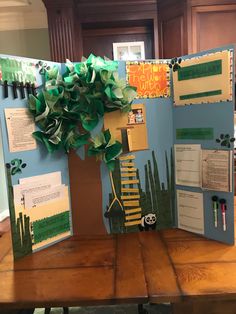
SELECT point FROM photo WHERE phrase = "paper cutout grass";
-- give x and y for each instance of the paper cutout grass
(20, 226)
(156, 198)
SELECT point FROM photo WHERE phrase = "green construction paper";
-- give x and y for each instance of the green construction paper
(75, 140)
(50, 227)
(105, 75)
(105, 147)
(89, 122)
(157, 197)
(98, 140)
(117, 92)
(21, 238)
(225, 140)
(107, 136)
(52, 73)
(129, 93)
(80, 97)
(41, 137)
(71, 78)
(99, 106)
(81, 69)
(16, 70)
(200, 70)
(52, 98)
(113, 151)
(202, 94)
(35, 105)
(195, 134)
(16, 166)
(111, 165)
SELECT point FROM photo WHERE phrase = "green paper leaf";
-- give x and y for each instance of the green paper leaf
(99, 106)
(81, 69)
(41, 138)
(54, 140)
(129, 94)
(89, 122)
(52, 99)
(117, 92)
(113, 151)
(35, 104)
(80, 97)
(75, 140)
(52, 73)
(111, 165)
(107, 136)
(105, 75)
(94, 151)
(69, 65)
(99, 140)
(71, 78)
(108, 92)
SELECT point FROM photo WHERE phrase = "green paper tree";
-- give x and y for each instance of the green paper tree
(71, 105)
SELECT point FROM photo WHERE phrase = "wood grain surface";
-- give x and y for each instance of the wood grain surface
(160, 276)
(83, 270)
(166, 266)
(4, 226)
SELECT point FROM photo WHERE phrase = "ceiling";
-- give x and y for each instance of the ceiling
(22, 14)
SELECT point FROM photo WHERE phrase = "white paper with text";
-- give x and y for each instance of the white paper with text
(190, 211)
(188, 165)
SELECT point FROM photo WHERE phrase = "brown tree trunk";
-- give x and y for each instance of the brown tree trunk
(86, 195)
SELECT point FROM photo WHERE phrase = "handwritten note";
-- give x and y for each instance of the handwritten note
(150, 77)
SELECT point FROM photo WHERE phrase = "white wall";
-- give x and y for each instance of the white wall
(31, 43)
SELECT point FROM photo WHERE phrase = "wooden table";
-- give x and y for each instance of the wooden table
(168, 266)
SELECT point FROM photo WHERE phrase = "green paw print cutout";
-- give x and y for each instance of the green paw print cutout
(42, 66)
(225, 140)
(175, 64)
(16, 166)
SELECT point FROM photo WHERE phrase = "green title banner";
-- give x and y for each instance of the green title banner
(195, 134)
(16, 70)
(50, 227)
(200, 95)
(200, 70)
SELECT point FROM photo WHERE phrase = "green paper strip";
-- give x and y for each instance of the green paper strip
(16, 70)
(200, 70)
(195, 134)
(50, 227)
(202, 94)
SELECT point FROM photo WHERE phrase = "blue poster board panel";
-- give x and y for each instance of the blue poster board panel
(154, 185)
(207, 124)
(30, 236)
(140, 194)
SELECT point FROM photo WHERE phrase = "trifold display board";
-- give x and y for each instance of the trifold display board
(176, 165)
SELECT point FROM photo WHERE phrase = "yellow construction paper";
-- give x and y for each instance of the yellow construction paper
(210, 83)
(136, 132)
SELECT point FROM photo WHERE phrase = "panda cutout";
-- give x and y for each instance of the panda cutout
(148, 221)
